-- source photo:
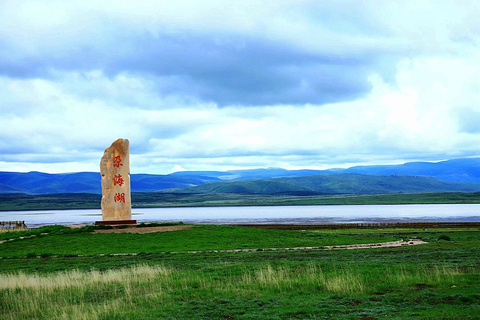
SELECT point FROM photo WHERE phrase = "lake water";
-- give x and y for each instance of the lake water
(264, 215)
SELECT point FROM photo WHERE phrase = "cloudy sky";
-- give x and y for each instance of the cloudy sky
(219, 85)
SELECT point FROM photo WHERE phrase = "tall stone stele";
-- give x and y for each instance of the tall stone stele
(115, 171)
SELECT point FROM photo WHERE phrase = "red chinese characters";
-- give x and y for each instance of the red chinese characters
(118, 180)
(119, 197)
(117, 162)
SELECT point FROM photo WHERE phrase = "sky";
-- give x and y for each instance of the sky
(223, 85)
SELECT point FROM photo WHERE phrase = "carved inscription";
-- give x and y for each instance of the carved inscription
(115, 171)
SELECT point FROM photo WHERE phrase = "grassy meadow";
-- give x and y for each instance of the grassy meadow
(63, 273)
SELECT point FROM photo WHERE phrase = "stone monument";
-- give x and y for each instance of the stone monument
(115, 171)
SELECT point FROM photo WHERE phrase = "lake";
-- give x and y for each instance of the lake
(264, 214)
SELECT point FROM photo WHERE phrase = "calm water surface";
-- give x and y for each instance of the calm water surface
(264, 215)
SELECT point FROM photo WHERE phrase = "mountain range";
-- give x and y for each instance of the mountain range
(462, 175)
(338, 183)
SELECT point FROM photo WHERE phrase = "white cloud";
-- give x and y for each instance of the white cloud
(414, 117)
(315, 84)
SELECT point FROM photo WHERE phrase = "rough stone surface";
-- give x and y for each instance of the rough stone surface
(115, 171)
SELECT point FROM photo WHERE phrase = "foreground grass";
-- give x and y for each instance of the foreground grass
(150, 292)
(440, 280)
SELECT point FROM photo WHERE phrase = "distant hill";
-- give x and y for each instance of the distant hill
(252, 174)
(39, 182)
(9, 189)
(342, 183)
(89, 182)
(458, 170)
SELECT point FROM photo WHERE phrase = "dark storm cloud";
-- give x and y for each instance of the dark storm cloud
(222, 69)
(246, 71)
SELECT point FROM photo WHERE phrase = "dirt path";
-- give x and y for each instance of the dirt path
(118, 230)
(21, 238)
(143, 230)
(392, 244)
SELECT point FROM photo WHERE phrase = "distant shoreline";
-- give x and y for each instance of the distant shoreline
(77, 201)
(266, 215)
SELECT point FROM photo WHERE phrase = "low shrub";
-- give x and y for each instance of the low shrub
(444, 237)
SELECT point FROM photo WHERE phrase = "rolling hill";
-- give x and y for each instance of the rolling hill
(343, 183)
(89, 182)
(457, 170)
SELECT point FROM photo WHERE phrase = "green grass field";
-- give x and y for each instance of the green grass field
(75, 274)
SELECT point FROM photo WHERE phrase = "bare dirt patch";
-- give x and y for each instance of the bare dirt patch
(143, 230)
(391, 244)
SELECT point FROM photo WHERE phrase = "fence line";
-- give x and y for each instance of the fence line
(13, 225)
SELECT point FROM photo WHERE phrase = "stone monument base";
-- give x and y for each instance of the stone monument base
(116, 222)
